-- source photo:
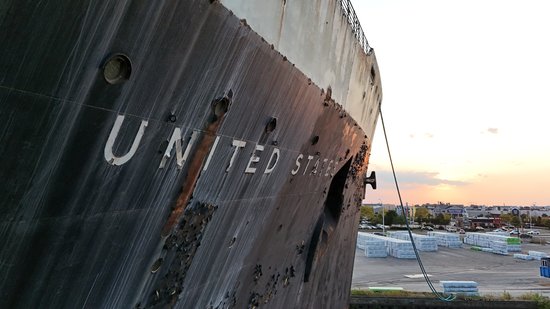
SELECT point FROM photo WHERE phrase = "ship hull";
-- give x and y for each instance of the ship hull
(214, 175)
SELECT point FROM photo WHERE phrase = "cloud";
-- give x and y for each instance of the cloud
(426, 135)
(493, 130)
(412, 178)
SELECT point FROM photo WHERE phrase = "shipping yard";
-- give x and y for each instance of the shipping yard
(496, 273)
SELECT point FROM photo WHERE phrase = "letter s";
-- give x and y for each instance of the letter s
(295, 171)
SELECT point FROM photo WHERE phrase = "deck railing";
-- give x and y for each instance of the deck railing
(353, 21)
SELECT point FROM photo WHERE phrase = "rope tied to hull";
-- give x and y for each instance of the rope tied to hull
(439, 295)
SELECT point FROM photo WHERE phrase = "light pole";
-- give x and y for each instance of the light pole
(383, 222)
(531, 223)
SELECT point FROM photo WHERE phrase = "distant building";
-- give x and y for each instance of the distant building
(377, 207)
(484, 222)
(476, 211)
(455, 210)
(474, 215)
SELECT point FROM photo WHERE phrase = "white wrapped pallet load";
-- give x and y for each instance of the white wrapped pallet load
(364, 240)
(458, 284)
(444, 239)
(499, 233)
(372, 245)
(468, 288)
(401, 249)
(523, 257)
(461, 290)
(376, 252)
(499, 247)
(537, 255)
(422, 242)
(498, 244)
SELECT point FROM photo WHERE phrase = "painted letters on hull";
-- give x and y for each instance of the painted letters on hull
(320, 168)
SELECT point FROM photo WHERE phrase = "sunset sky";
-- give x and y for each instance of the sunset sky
(466, 100)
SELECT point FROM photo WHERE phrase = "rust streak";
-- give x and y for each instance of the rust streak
(206, 140)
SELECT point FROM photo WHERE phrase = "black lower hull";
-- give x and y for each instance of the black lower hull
(80, 228)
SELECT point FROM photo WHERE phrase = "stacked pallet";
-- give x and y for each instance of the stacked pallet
(372, 245)
(526, 257)
(475, 239)
(422, 242)
(498, 244)
(466, 288)
(401, 249)
(499, 247)
(450, 240)
(537, 255)
(513, 244)
(499, 233)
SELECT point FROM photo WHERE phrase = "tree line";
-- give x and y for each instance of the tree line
(422, 216)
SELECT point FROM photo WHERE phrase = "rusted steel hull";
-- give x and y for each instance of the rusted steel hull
(164, 154)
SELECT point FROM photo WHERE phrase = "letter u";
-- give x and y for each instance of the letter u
(108, 152)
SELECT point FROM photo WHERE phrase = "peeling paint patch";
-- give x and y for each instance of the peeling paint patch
(206, 144)
(181, 247)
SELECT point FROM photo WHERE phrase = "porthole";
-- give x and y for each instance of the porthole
(117, 69)
(271, 125)
(315, 140)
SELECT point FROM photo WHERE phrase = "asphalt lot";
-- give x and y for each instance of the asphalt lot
(494, 273)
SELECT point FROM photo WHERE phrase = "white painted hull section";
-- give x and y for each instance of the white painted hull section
(322, 44)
